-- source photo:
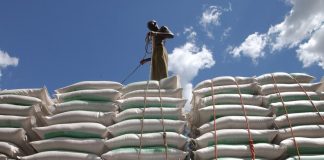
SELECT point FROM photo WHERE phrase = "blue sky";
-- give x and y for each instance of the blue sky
(57, 43)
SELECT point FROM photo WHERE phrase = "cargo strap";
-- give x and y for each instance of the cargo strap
(247, 123)
(162, 119)
(145, 103)
(309, 98)
(286, 114)
(214, 113)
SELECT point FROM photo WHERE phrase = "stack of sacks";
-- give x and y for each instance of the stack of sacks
(306, 122)
(78, 124)
(17, 109)
(140, 134)
(231, 137)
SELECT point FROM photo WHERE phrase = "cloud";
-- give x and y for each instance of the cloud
(226, 33)
(211, 17)
(6, 61)
(303, 23)
(187, 60)
(252, 47)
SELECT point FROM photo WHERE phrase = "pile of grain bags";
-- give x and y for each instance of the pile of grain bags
(146, 107)
(77, 127)
(220, 96)
(17, 117)
(303, 125)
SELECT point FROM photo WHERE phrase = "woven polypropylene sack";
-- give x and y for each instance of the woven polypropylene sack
(262, 150)
(156, 153)
(251, 88)
(234, 136)
(19, 100)
(85, 85)
(61, 155)
(310, 131)
(297, 119)
(152, 84)
(80, 116)
(296, 107)
(171, 82)
(149, 125)
(94, 146)
(10, 149)
(206, 114)
(109, 95)
(291, 96)
(307, 157)
(305, 146)
(98, 106)
(150, 113)
(285, 78)
(140, 102)
(219, 99)
(271, 88)
(16, 110)
(237, 122)
(13, 135)
(173, 93)
(73, 130)
(224, 80)
(174, 140)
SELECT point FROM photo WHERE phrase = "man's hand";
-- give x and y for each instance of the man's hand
(143, 61)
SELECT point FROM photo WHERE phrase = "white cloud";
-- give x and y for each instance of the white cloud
(211, 17)
(252, 47)
(304, 22)
(6, 61)
(226, 33)
(187, 60)
(313, 51)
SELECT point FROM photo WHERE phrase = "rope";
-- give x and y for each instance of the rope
(286, 114)
(131, 73)
(164, 133)
(309, 98)
(247, 123)
(214, 112)
(143, 113)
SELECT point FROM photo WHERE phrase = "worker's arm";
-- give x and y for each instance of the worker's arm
(143, 61)
(163, 33)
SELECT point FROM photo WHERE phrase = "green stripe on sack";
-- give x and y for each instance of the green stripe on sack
(296, 109)
(87, 98)
(148, 105)
(138, 132)
(72, 134)
(237, 141)
(151, 150)
(233, 91)
(145, 146)
(170, 117)
(293, 98)
(305, 150)
(8, 124)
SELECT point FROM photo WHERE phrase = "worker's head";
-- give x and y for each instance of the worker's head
(152, 25)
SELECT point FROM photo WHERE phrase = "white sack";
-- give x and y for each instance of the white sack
(84, 105)
(251, 88)
(285, 78)
(237, 122)
(10, 149)
(109, 95)
(262, 150)
(156, 153)
(206, 114)
(150, 113)
(173, 93)
(296, 107)
(297, 119)
(94, 145)
(291, 96)
(85, 85)
(234, 136)
(224, 80)
(305, 145)
(149, 125)
(255, 100)
(61, 155)
(138, 102)
(174, 140)
(73, 130)
(310, 131)
(17, 110)
(271, 89)
(19, 100)
(13, 135)
(80, 116)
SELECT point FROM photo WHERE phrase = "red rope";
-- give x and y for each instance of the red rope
(309, 98)
(247, 123)
(214, 112)
(286, 114)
